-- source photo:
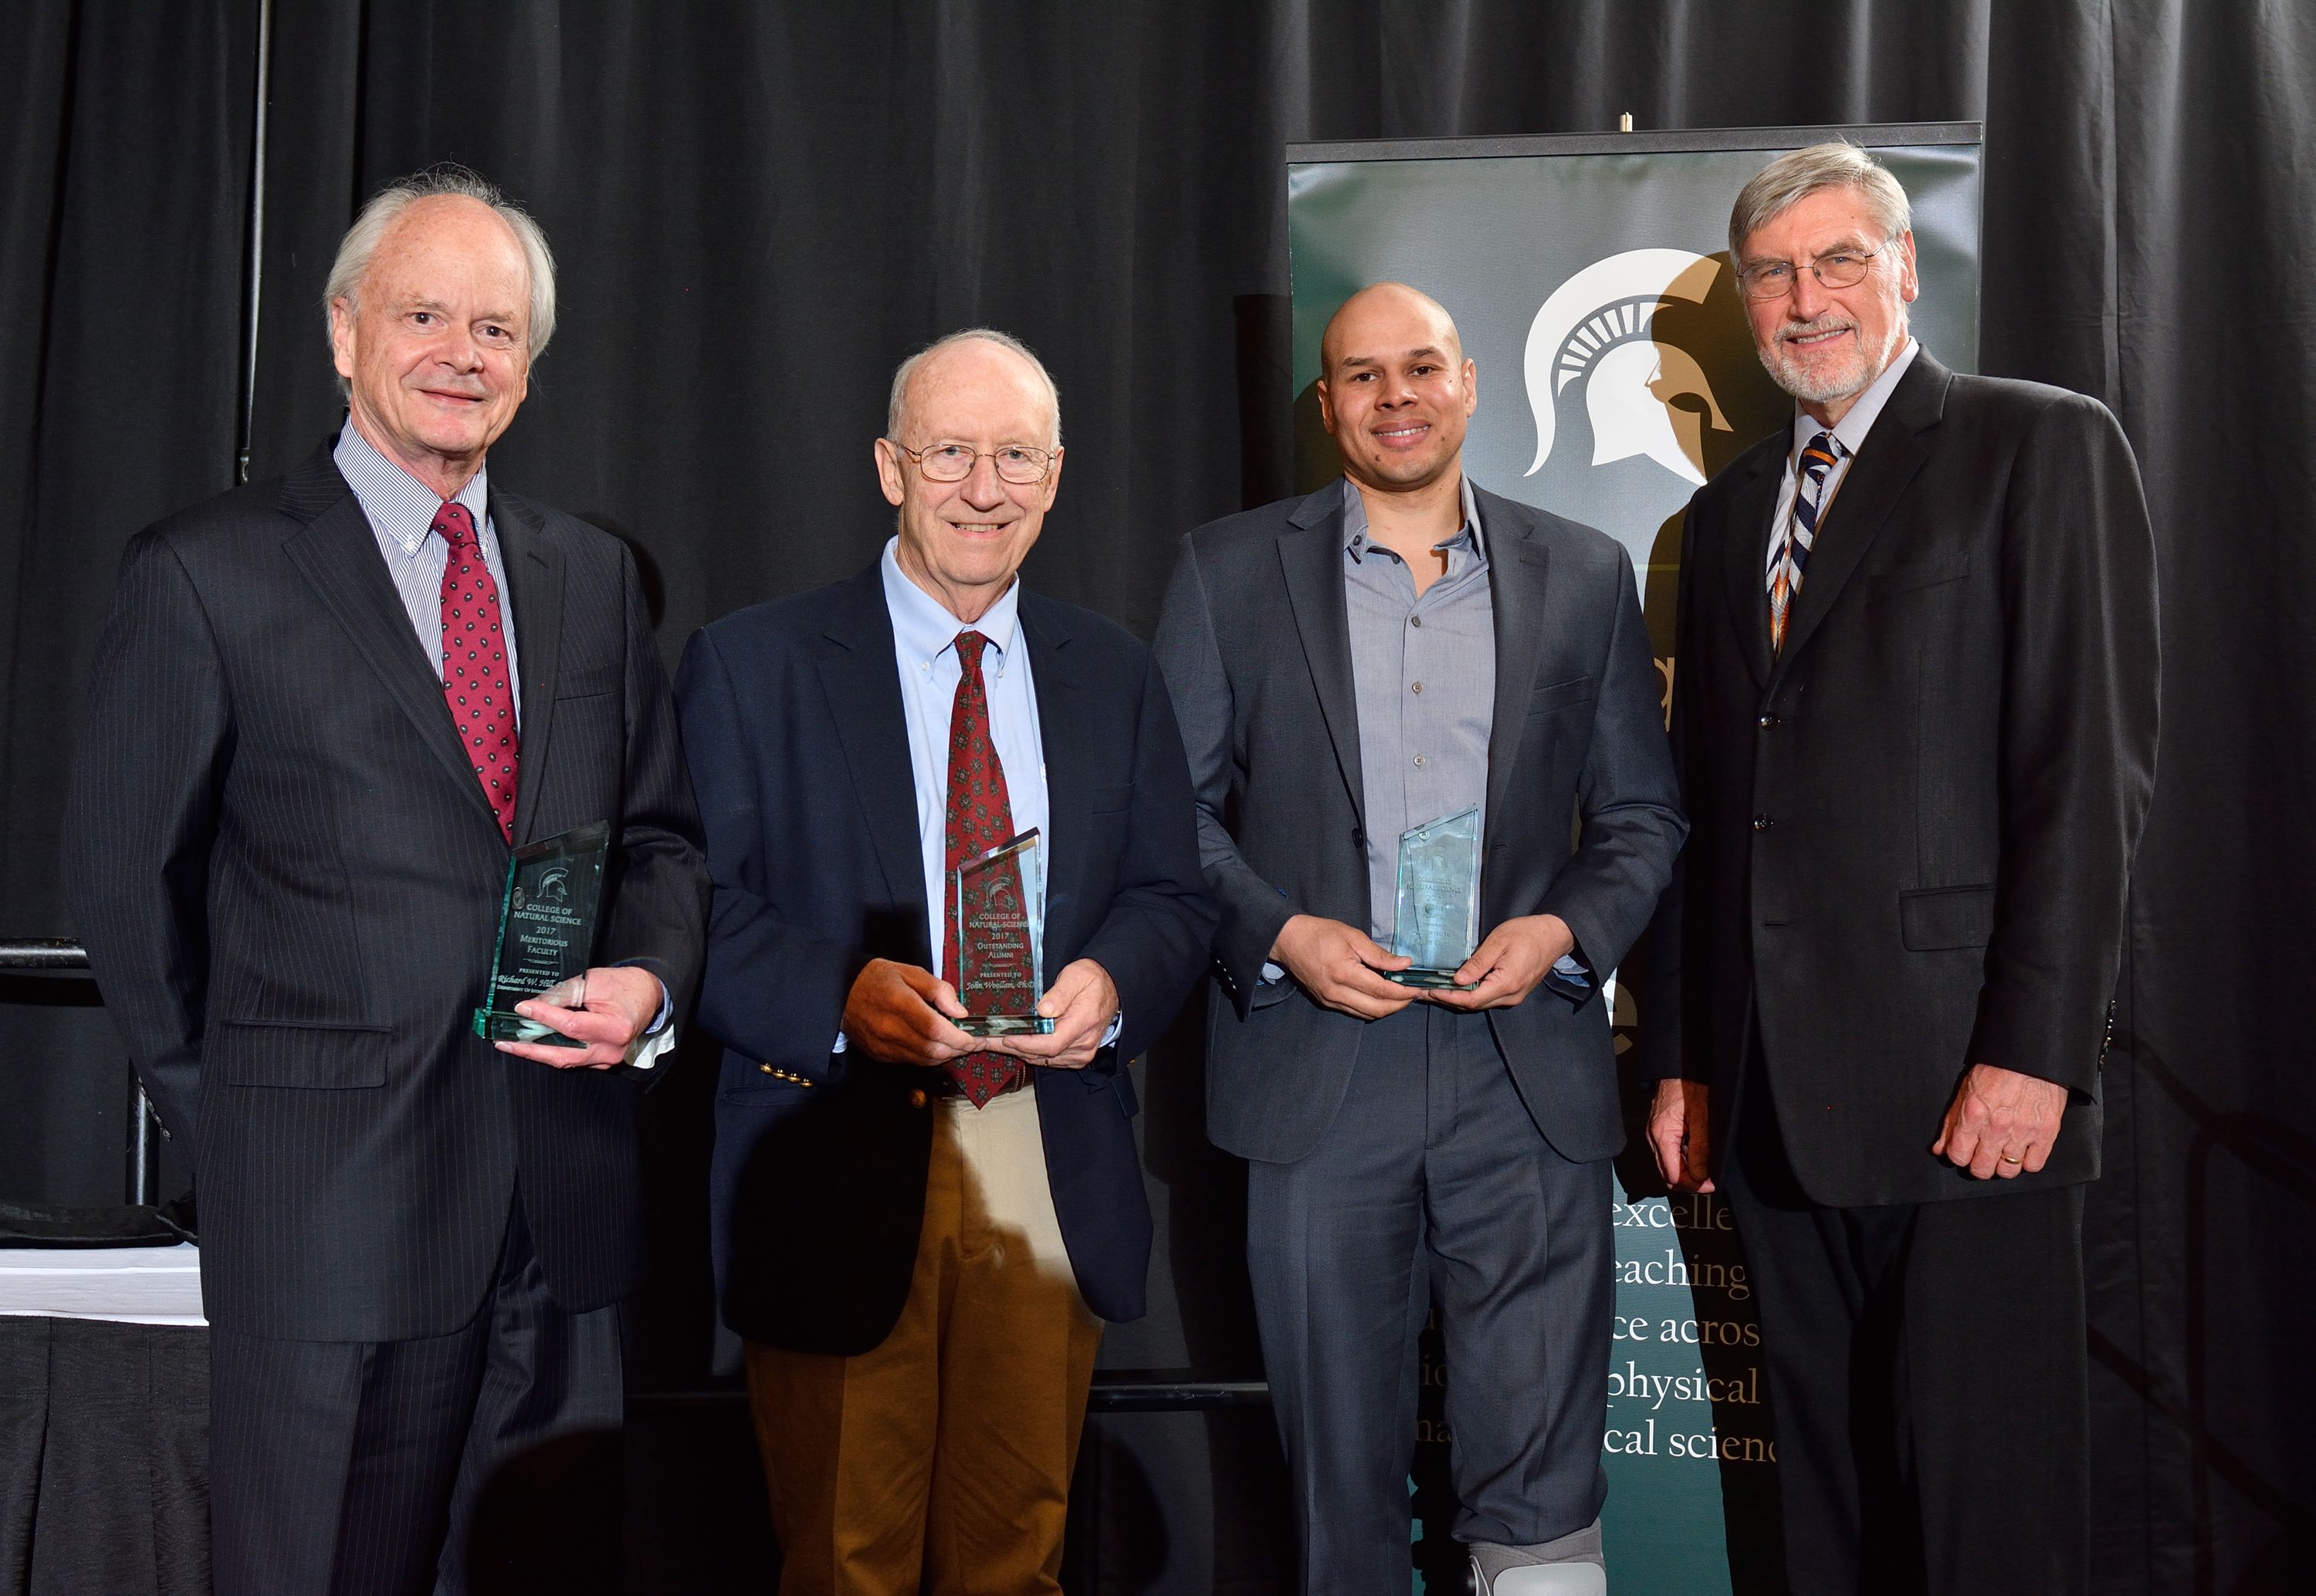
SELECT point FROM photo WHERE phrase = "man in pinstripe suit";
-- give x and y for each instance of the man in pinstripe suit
(325, 708)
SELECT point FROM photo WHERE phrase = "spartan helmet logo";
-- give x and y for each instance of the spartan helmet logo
(1596, 325)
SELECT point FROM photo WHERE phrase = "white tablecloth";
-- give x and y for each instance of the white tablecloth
(131, 1285)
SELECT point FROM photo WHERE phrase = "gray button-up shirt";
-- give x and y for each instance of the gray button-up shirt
(1423, 670)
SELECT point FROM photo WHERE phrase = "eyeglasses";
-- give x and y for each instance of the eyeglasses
(1774, 279)
(1017, 462)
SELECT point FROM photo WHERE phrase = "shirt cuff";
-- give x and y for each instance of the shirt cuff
(658, 1036)
(1117, 1024)
(1570, 977)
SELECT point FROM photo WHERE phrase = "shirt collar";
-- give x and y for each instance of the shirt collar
(1850, 431)
(1355, 521)
(922, 625)
(397, 503)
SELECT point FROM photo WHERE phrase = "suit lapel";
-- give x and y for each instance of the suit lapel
(534, 571)
(1517, 572)
(1068, 733)
(859, 674)
(336, 552)
(1745, 556)
(1886, 462)
(1311, 557)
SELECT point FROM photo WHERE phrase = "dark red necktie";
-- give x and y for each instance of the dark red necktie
(980, 817)
(475, 681)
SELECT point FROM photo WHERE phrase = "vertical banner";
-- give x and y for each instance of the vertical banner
(1590, 278)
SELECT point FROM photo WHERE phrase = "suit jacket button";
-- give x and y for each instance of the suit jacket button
(1768, 720)
(916, 1097)
(1762, 822)
(768, 1070)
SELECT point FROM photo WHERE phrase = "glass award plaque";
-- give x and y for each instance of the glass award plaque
(1438, 922)
(1001, 935)
(546, 928)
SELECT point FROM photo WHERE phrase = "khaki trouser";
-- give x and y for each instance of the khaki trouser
(944, 1456)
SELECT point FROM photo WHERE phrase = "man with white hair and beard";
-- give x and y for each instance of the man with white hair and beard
(1916, 720)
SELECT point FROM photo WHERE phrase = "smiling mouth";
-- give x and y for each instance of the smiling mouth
(1814, 339)
(1400, 436)
(980, 528)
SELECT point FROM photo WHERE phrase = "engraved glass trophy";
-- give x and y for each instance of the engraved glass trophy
(1437, 923)
(546, 928)
(1001, 935)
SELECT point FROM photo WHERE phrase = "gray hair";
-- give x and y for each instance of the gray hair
(1796, 174)
(896, 405)
(361, 242)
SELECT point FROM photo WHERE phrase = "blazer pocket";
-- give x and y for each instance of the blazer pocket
(1943, 918)
(1560, 694)
(588, 681)
(1111, 800)
(1914, 576)
(283, 1053)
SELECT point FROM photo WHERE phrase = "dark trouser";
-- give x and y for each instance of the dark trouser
(1432, 1180)
(1927, 1376)
(484, 1460)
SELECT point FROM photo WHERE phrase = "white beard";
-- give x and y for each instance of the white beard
(1823, 384)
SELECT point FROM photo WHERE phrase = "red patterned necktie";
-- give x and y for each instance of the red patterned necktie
(475, 682)
(980, 817)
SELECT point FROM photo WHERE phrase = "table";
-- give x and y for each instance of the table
(103, 1422)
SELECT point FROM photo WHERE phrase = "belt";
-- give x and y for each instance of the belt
(945, 1085)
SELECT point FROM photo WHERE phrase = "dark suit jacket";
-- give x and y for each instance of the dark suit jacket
(1915, 827)
(798, 745)
(288, 880)
(1255, 642)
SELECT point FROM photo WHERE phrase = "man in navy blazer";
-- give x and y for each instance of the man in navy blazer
(918, 1232)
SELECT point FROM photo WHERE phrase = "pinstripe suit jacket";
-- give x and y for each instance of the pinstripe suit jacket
(288, 880)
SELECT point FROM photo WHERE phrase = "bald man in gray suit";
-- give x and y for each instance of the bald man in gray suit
(1395, 648)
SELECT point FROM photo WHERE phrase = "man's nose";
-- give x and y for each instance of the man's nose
(984, 488)
(459, 350)
(1809, 295)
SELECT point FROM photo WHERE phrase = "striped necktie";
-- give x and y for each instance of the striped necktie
(1800, 532)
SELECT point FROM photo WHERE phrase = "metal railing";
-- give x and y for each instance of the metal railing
(53, 957)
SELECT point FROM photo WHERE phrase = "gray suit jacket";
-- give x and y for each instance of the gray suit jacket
(1255, 645)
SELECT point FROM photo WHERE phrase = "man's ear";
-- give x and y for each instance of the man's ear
(341, 337)
(888, 469)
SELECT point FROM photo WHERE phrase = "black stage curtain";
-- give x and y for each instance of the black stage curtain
(761, 207)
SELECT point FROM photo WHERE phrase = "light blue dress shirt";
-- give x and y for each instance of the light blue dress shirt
(924, 648)
(924, 651)
(401, 511)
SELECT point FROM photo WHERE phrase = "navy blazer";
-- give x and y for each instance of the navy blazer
(794, 729)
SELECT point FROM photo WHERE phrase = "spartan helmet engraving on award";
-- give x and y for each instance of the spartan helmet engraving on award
(1599, 326)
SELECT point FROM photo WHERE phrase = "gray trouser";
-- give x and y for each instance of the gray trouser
(1432, 1181)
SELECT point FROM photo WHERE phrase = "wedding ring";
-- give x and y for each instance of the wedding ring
(2006, 1158)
